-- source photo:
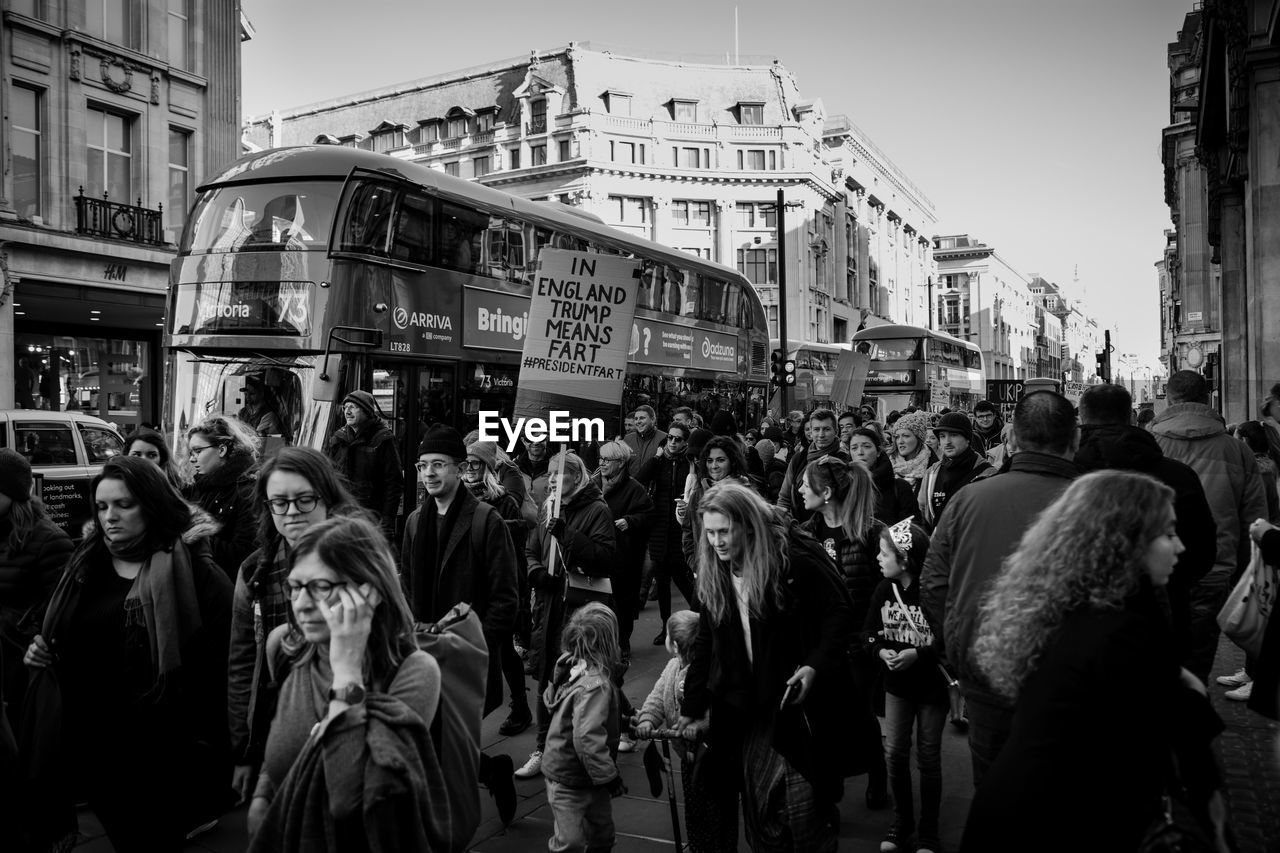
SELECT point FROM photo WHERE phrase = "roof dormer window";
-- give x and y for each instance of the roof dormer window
(684, 110)
(751, 112)
(617, 103)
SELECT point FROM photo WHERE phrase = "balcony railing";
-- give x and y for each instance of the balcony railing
(536, 125)
(100, 217)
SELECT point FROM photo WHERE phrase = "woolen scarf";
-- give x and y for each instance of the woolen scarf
(428, 554)
(913, 470)
(954, 471)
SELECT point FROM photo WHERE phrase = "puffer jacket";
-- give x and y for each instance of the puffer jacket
(858, 567)
(370, 463)
(582, 742)
(1195, 434)
(227, 495)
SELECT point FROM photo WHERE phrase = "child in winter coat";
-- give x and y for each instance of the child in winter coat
(578, 762)
(707, 833)
(915, 686)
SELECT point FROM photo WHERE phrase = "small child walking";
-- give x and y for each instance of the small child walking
(579, 762)
(707, 831)
(915, 686)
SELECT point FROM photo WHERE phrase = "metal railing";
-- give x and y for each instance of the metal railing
(101, 217)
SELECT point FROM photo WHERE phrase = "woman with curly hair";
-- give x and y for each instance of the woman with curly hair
(223, 453)
(1074, 632)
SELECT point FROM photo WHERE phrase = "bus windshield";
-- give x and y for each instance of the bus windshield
(895, 349)
(262, 217)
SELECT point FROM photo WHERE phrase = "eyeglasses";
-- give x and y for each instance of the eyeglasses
(435, 467)
(318, 590)
(194, 451)
(304, 503)
(470, 465)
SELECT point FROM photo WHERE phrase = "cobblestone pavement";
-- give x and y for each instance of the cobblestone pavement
(1248, 751)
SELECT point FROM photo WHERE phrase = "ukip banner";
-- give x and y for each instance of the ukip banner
(576, 340)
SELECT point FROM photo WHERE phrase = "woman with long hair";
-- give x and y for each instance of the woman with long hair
(223, 452)
(768, 663)
(580, 538)
(295, 490)
(631, 507)
(136, 632)
(842, 498)
(357, 700)
(151, 446)
(1073, 631)
(481, 471)
(911, 455)
(721, 459)
(33, 553)
(894, 498)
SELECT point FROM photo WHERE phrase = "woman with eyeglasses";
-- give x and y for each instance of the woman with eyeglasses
(842, 498)
(136, 633)
(295, 490)
(348, 763)
(150, 445)
(223, 452)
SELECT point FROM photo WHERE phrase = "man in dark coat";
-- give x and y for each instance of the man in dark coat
(959, 466)
(364, 452)
(824, 441)
(981, 526)
(1107, 441)
(666, 473)
(442, 568)
(987, 426)
(644, 442)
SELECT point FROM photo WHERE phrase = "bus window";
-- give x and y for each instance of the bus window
(366, 222)
(895, 349)
(650, 293)
(693, 283)
(506, 249)
(673, 290)
(461, 237)
(717, 297)
(262, 217)
(412, 240)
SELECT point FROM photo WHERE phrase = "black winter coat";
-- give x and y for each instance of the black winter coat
(858, 568)
(666, 477)
(27, 579)
(630, 500)
(227, 495)
(1265, 699)
(369, 462)
(1129, 448)
(589, 544)
(789, 497)
(895, 498)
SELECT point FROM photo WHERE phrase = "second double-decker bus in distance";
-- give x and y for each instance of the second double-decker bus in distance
(914, 366)
(417, 285)
(815, 373)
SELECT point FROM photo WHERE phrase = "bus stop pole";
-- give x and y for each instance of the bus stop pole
(784, 391)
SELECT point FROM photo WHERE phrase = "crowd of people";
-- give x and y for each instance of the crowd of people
(257, 631)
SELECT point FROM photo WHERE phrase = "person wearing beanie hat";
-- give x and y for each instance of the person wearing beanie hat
(33, 552)
(775, 468)
(457, 548)
(960, 464)
(364, 452)
(910, 456)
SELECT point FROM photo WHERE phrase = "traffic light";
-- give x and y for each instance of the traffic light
(789, 372)
(782, 370)
(1104, 366)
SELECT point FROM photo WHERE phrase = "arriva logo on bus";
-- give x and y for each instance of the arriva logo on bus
(556, 427)
(404, 319)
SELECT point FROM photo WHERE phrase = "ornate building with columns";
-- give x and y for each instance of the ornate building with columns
(682, 150)
(1222, 184)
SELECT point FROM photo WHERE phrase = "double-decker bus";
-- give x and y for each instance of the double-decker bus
(921, 367)
(306, 273)
(815, 372)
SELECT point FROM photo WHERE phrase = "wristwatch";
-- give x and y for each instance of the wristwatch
(352, 694)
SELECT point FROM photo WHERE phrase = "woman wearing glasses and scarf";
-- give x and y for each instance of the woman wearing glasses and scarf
(296, 490)
(136, 634)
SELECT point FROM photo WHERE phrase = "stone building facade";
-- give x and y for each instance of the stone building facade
(112, 113)
(683, 151)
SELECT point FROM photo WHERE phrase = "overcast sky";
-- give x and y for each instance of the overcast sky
(1033, 125)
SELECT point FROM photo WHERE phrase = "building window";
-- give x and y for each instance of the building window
(537, 155)
(760, 266)
(179, 29)
(691, 158)
(617, 103)
(697, 213)
(110, 157)
(115, 21)
(484, 122)
(757, 215)
(31, 8)
(538, 116)
(515, 158)
(28, 152)
(626, 152)
(481, 166)
(429, 132)
(457, 127)
(750, 113)
(629, 210)
(451, 168)
(773, 320)
(563, 150)
(179, 181)
(686, 111)
(755, 159)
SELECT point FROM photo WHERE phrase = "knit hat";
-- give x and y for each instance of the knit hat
(984, 406)
(723, 423)
(955, 422)
(365, 401)
(766, 449)
(445, 440)
(774, 434)
(486, 452)
(15, 475)
(917, 423)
